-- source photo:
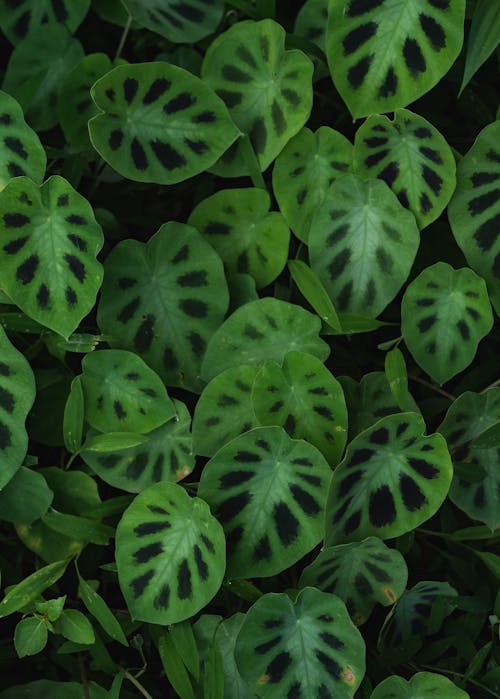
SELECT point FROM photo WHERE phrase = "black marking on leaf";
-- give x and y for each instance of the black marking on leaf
(140, 583)
(433, 31)
(120, 413)
(431, 348)
(362, 585)
(194, 308)
(129, 310)
(318, 391)
(413, 57)
(360, 456)
(5, 119)
(290, 424)
(352, 523)
(252, 332)
(375, 158)
(305, 501)
(357, 37)
(390, 173)
(234, 478)
(302, 461)
(479, 497)
(243, 263)
(197, 147)
(15, 220)
(361, 7)
(201, 566)
(258, 135)
(83, 105)
(271, 624)
(286, 523)
(426, 323)
(76, 267)
(197, 343)
(21, 26)
(330, 665)
(380, 436)
(235, 74)
(7, 401)
(225, 400)
(337, 234)
(181, 255)
(138, 154)
(433, 180)
(264, 47)
(425, 203)
(275, 407)
(413, 497)
(357, 73)
(463, 329)
(233, 537)
(182, 101)
(15, 170)
(146, 553)
(232, 99)
(217, 228)
(162, 599)
(264, 648)
(262, 550)
(278, 118)
(25, 273)
(344, 296)
(231, 507)
(479, 179)
(431, 154)
(43, 296)
(246, 56)
(78, 242)
(403, 198)
(157, 88)
(440, 4)
(339, 263)
(493, 156)
(208, 544)
(15, 245)
(382, 509)
(16, 146)
(4, 369)
(295, 691)
(378, 573)
(487, 233)
(401, 428)
(247, 457)
(291, 96)
(278, 666)
(60, 12)
(478, 205)
(423, 468)
(301, 195)
(115, 139)
(348, 482)
(110, 94)
(331, 640)
(390, 84)
(184, 586)
(472, 312)
(384, 259)
(323, 411)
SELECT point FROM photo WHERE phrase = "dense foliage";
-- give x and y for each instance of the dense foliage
(249, 376)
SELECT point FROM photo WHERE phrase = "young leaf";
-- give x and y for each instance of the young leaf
(122, 394)
(391, 480)
(48, 263)
(484, 35)
(268, 491)
(261, 331)
(383, 55)
(413, 158)
(213, 678)
(100, 611)
(474, 211)
(75, 626)
(21, 18)
(17, 393)
(175, 669)
(305, 399)
(25, 498)
(423, 685)
(21, 152)
(444, 314)
(225, 638)
(164, 300)
(249, 238)
(362, 574)
(30, 636)
(310, 648)
(79, 528)
(184, 641)
(315, 293)
(184, 22)
(74, 416)
(304, 171)
(362, 244)
(31, 587)
(397, 378)
(170, 553)
(158, 123)
(113, 441)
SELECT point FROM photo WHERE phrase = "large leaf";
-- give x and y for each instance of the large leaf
(391, 480)
(268, 491)
(170, 554)
(164, 300)
(224, 409)
(21, 152)
(261, 331)
(484, 36)
(362, 574)
(122, 394)
(413, 158)
(445, 313)
(158, 123)
(468, 417)
(474, 211)
(17, 393)
(36, 69)
(267, 90)
(362, 244)
(166, 455)
(307, 649)
(49, 242)
(19, 18)
(423, 685)
(180, 22)
(304, 171)
(249, 238)
(384, 54)
(303, 397)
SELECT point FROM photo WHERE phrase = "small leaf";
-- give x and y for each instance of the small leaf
(30, 636)
(225, 638)
(213, 680)
(183, 637)
(113, 441)
(75, 626)
(173, 664)
(100, 611)
(21, 19)
(397, 377)
(484, 35)
(52, 608)
(31, 587)
(315, 293)
(79, 528)
(185, 22)
(74, 416)
(423, 685)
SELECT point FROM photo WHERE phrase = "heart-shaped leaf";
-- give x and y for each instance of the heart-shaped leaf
(423, 685)
(20, 18)
(474, 211)
(277, 97)
(362, 574)
(224, 409)
(49, 243)
(26, 497)
(166, 455)
(268, 491)
(21, 152)
(158, 123)
(122, 394)
(303, 172)
(362, 244)
(413, 158)
(17, 393)
(384, 54)
(307, 649)
(164, 300)
(261, 331)
(391, 480)
(170, 553)
(303, 397)
(445, 313)
(180, 22)
(249, 238)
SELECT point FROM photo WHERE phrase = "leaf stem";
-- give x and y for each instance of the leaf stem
(137, 684)
(83, 676)
(430, 385)
(123, 38)
(252, 163)
(491, 385)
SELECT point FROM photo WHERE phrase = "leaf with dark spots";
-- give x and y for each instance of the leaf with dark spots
(264, 648)
(389, 86)
(182, 101)
(358, 36)
(15, 245)
(16, 146)
(412, 495)
(184, 586)
(138, 154)
(423, 468)
(115, 139)
(146, 553)
(201, 565)
(230, 480)
(15, 220)
(305, 501)
(161, 601)
(26, 271)
(382, 509)
(278, 666)
(357, 73)
(433, 31)
(157, 88)
(140, 583)
(197, 147)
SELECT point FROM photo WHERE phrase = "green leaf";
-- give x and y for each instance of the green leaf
(79, 528)
(100, 611)
(474, 211)
(170, 553)
(35, 82)
(175, 669)
(213, 679)
(315, 293)
(261, 331)
(74, 416)
(21, 152)
(412, 157)
(75, 626)
(384, 54)
(31, 587)
(30, 636)
(444, 314)
(368, 401)
(249, 238)
(40, 689)
(311, 21)
(184, 22)
(225, 638)
(268, 491)
(17, 393)
(304, 171)
(224, 409)
(277, 97)
(25, 498)
(484, 35)
(397, 378)
(52, 608)
(48, 263)
(362, 574)
(158, 123)
(21, 19)
(362, 244)
(391, 480)
(122, 394)
(184, 641)
(310, 648)
(423, 685)
(164, 300)
(305, 399)
(113, 441)
(489, 439)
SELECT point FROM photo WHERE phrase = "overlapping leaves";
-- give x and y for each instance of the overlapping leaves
(21, 152)
(423, 685)
(20, 18)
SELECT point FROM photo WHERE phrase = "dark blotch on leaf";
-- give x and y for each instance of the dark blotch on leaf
(7, 401)
(119, 411)
(375, 158)
(278, 118)
(413, 497)
(286, 523)
(234, 74)
(362, 585)
(234, 478)
(258, 135)
(278, 666)
(357, 73)
(205, 117)
(390, 85)
(78, 242)
(264, 648)
(426, 323)
(157, 88)
(162, 599)
(380, 436)
(77, 267)
(431, 154)
(357, 37)
(15, 220)
(129, 310)
(194, 308)
(480, 204)
(262, 551)
(16, 146)
(182, 101)
(390, 173)
(138, 155)
(15, 245)
(146, 553)
(339, 263)
(197, 147)
(329, 664)
(360, 456)
(231, 507)
(184, 586)
(463, 329)
(382, 509)
(208, 544)
(137, 466)
(433, 180)
(144, 336)
(247, 457)
(423, 468)
(43, 296)
(433, 31)
(487, 233)
(304, 500)
(197, 343)
(246, 56)
(25, 273)
(295, 691)
(115, 139)
(180, 256)
(413, 57)
(140, 583)
(425, 203)
(348, 482)
(201, 566)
